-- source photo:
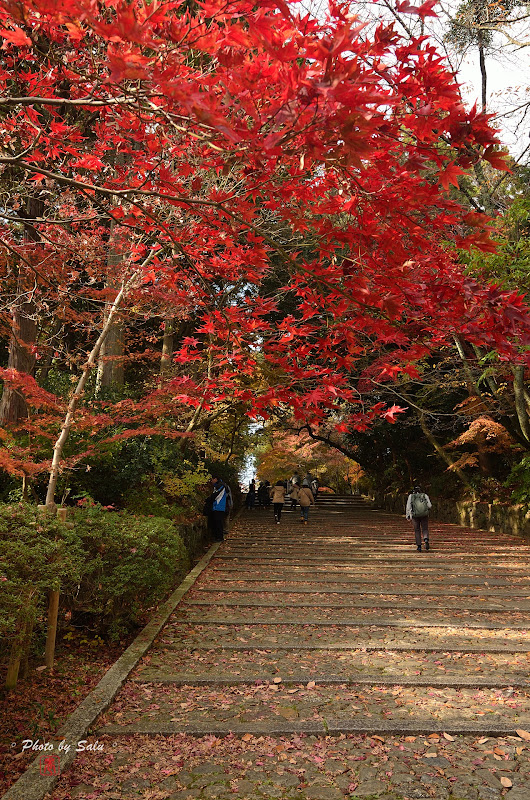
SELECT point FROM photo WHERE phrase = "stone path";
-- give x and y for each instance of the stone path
(331, 661)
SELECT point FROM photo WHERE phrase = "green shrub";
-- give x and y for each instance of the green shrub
(131, 563)
(110, 568)
(149, 499)
(519, 481)
(148, 473)
(37, 553)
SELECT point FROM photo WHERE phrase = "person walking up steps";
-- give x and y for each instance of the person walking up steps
(418, 505)
(220, 500)
(250, 501)
(306, 499)
(262, 494)
(278, 499)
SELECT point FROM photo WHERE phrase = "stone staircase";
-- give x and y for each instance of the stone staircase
(333, 661)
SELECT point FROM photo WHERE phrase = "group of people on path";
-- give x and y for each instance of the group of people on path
(260, 496)
(219, 503)
(302, 492)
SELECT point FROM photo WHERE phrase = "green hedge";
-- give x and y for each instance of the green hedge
(110, 568)
(131, 562)
(37, 553)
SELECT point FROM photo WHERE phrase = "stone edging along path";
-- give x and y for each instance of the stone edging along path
(32, 785)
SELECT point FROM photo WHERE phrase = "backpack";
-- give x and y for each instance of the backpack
(220, 499)
(420, 507)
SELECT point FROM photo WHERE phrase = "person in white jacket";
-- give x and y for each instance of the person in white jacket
(418, 505)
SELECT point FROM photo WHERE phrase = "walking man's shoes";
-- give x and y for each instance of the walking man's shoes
(426, 541)
(419, 548)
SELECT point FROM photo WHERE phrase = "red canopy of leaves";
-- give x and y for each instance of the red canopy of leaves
(244, 140)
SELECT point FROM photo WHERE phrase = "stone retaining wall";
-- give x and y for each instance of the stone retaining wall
(499, 517)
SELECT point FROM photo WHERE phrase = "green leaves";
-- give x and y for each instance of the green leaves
(110, 568)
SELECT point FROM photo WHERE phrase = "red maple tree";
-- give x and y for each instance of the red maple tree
(278, 181)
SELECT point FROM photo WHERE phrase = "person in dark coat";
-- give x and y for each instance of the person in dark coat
(262, 494)
(250, 500)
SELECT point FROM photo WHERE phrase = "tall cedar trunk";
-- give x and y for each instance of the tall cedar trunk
(13, 407)
(46, 361)
(111, 372)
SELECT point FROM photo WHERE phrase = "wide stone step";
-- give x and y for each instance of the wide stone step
(306, 768)
(351, 546)
(353, 622)
(337, 540)
(412, 667)
(166, 708)
(309, 579)
(458, 647)
(263, 587)
(261, 636)
(365, 679)
(414, 573)
(522, 564)
(330, 727)
(335, 615)
(390, 603)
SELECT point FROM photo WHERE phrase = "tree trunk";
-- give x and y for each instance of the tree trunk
(13, 407)
(47, 348)
(483, 73)
(472, 387)
(21, 643)
(53, 609)
(520, 402)
(111, 370)
(21, 357)
(167, 346)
